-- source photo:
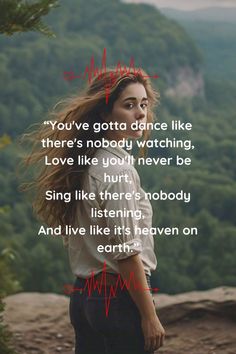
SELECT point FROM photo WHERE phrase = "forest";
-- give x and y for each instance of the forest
(32, 81)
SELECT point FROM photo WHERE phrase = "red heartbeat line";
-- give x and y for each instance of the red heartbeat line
(92, 284)
(91, 71)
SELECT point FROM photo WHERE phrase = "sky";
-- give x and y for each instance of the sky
(188, 4)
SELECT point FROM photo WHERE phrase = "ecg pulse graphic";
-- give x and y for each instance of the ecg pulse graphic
(91, 71)
(91, 285)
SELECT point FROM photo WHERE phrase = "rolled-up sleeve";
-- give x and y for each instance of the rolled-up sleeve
(126, 216)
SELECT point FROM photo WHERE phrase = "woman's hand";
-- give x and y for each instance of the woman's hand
(153, 333)
(151, 326)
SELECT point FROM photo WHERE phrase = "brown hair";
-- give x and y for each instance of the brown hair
(89, 107)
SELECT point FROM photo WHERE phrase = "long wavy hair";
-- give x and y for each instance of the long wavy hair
(89, 106)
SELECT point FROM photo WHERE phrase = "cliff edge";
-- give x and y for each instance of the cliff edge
(198, 322)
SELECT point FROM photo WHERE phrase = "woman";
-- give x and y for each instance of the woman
(110, 244)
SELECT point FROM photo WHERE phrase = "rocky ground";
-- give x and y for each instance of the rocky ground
(195, 322)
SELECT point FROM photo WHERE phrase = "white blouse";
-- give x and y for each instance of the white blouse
(114, 222)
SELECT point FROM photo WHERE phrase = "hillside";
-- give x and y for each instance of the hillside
(211, 14)
(214, 31)
(36, 65)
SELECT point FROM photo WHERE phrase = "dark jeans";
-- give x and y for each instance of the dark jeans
(95, 333)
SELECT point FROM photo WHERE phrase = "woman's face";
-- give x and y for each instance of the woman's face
(131, 106)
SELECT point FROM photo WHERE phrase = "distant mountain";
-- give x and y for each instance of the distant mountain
(214, 14)
(214, 31)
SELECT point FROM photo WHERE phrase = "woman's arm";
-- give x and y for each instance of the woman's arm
(152, 329)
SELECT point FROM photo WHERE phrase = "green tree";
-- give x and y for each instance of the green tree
(4, 334)
(8, 285)
(19, 16)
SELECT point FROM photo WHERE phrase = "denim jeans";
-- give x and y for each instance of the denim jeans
(95, 333)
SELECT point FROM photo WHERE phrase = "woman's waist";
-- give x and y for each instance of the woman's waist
(103, 279)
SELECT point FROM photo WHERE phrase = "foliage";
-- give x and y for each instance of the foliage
(20, 16)
(4, 140)
(4, 335)
(218, 44)
(8, 282)
(8, 285)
